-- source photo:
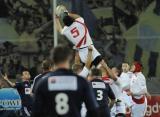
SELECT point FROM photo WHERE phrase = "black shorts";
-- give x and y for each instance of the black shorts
(104, 112)
(97, 60)
(120, 115)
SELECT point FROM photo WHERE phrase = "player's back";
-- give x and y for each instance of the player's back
(101, 91)
(77, 32)
(61, 93)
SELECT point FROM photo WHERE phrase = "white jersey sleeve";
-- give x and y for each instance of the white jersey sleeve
(117, 90)
(80, 19)
(84, 73)
(64, 28)
(124, 80)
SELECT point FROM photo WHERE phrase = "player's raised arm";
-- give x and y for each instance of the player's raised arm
(74, 16)
(58, 24)
(77, 59)
(89, 58)
(88, 63)
(5, 77)
(109, 71)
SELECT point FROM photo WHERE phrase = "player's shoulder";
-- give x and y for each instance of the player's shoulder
(98, 83)
(141, 75)
(80, 19)
(65, 28)
(42, 78)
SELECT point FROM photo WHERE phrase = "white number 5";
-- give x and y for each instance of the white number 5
(99, 95)
(62, 106)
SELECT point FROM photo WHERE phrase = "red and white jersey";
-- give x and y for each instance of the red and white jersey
(124, 80)
(78, 33)
(116, 88)
(138, 85)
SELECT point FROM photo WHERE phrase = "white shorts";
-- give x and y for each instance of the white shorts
(139, 110)
(84, 52)
(121, 108)
(127, 99)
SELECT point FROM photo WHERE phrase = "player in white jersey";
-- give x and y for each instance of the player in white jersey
(138, 91)
(77, 33)
(125, 79)
(118, 85)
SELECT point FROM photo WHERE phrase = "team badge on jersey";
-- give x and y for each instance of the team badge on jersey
(57, 83)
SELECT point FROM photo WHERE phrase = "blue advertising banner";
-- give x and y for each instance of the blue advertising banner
(10, 99)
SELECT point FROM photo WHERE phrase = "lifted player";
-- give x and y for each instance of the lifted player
(76, 31)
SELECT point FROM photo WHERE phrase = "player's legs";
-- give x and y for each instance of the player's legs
(84, 52)
(139, 110)
(120, 108)
(127, 100)
(97, 60)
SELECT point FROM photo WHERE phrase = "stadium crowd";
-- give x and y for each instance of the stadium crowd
(32, 21)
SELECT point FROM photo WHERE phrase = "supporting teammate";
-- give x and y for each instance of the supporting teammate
(117, 84)
(102, 91)
(78, 68)
(47, 66)
(61, 93)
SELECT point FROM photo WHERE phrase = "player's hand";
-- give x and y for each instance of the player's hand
(129, 93)
(103, 63)
(90, 48)
(60, 10)
(5, 77)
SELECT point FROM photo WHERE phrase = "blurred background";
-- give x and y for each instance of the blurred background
(122, 30)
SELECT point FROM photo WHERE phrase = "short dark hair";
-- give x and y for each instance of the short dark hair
(61, 53)
(67, 20)
(95, 72)
(47, 64)
(24, 70)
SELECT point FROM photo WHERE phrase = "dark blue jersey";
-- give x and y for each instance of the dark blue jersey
(24, 89)
(102, 92)
(61, 94)
(36, 79)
